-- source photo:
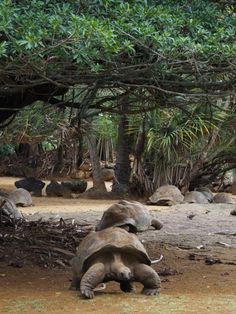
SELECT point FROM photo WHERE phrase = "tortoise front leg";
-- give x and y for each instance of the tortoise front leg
(93, 276)
(126, 286)
(149, 278)
(75, 283)
(156, 224)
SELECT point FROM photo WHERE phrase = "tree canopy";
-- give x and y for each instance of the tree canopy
(160, 53)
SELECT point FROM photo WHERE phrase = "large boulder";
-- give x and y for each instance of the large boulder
(31, 184)
(55, 189)
(77, 186)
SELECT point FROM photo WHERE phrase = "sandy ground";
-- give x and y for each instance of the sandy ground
(192, 286)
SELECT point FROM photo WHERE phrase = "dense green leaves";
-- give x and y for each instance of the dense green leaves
(95, 32)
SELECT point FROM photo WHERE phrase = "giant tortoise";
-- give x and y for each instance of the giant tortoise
(206, 191)
(20, 197)
(112, 254)
(224, 198)
(195, 197)
(129, 214)
(166, 195)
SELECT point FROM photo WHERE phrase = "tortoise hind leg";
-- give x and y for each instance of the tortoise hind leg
(126, 286)
(93, 276)
(149, 278)
(156, 224)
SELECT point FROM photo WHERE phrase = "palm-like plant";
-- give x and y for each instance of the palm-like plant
(179, 141)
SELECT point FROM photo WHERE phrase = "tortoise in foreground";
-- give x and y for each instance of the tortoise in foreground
(195, 197)
(166, 195)
(132, 215)
(21, 197)
(224, 198)
(112, 254)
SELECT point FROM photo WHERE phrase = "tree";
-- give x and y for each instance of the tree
(168, 53)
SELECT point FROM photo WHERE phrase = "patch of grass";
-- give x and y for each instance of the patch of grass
(24, 305)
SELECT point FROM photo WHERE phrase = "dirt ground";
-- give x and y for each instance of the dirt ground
(191, 234)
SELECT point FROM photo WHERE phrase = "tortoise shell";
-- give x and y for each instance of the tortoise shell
(166, 195)
(108, 240)
(224, 198)
(21, 197)
(131, 213)
(195, 197)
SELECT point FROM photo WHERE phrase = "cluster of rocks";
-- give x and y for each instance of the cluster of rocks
(171, 195)
(21, 196)
(66, 188)
(85, 171)
(54, 188)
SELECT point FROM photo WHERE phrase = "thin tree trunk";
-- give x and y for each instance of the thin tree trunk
(98, 182)
(122, 168)
(234, 182)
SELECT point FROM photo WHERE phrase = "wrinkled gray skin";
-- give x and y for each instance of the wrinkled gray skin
(166, 195)
(224, 198)
(195, 197)
(112, 254)
(207, 192)
(132, 215)
(21, 197)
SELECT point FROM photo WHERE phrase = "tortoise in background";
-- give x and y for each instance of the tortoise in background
(166, 195)
(206, 191)
(20, 197)
(195, 197)
(112, 254)
(224, 198)
(132, 215)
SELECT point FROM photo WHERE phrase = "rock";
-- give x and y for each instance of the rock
(55, 189)
(31, 184)
(77, 186)
(108, 174)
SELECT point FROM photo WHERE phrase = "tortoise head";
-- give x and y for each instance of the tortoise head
(119, 271)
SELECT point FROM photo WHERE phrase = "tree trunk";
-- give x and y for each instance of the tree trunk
(122, 168)
(234, 182)
(98, 182)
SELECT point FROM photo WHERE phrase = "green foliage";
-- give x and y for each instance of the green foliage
(106, 126)
(36, 120)
(96, 33)
(6, 150)
(177, 136)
